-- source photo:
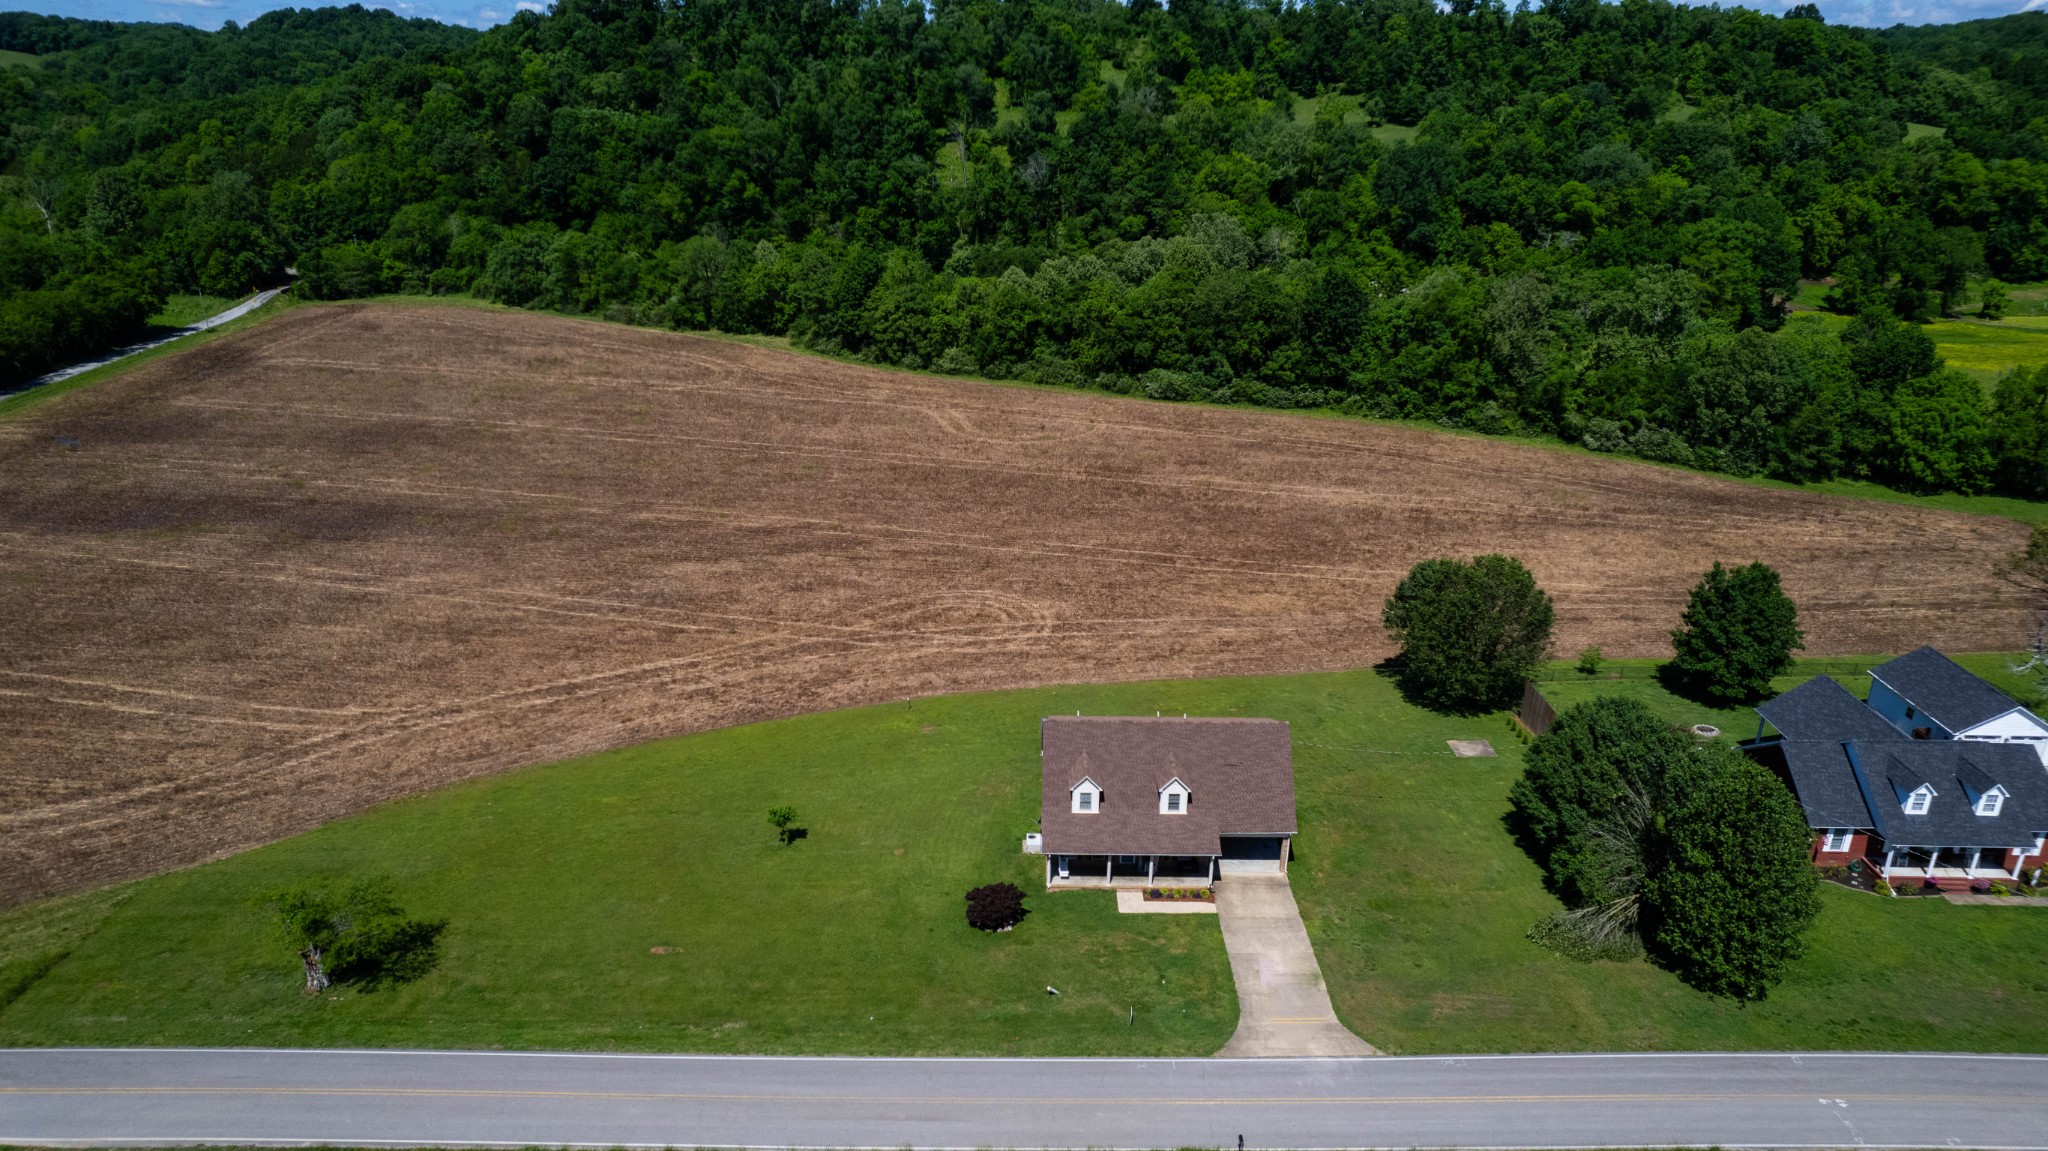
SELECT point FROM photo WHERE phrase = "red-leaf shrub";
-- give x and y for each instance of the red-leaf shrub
(995, 907)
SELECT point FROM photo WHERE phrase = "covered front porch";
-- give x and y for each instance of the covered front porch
(1129, 870)
(1953, 863)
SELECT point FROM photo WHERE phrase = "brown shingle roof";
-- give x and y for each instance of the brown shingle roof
(1239, 773)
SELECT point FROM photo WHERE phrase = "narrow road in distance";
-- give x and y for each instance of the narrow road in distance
(406, 1098)
(214, 321)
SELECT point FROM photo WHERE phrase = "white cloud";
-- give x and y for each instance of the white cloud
(530, 6)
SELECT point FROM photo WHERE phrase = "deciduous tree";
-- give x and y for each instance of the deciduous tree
(1738, 632)
(1470, 633)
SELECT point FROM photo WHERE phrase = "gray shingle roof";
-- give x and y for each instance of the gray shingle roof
(1825, 785)
(1891, 769)
(1822, 710)
(1934, 684)
(1239, 772)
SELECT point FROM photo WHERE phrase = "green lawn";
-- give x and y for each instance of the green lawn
(20, 60)
(560, 879)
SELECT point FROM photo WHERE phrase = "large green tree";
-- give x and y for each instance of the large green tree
(1730, 890)
(1738, 632)
(1596, 775)
(1470, 632)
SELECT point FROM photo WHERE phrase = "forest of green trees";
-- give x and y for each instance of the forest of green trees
(1576, 219)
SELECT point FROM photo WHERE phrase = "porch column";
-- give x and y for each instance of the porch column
(1976, 853)
(1888, 851)
(1933, 857)
(2019, 859)
(1109, 869)
(1048, 871)
(1212, 871)
(1151, 869)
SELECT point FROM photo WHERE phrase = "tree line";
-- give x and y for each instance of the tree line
(1577, 219)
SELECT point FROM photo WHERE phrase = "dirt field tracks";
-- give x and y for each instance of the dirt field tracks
(360, 551)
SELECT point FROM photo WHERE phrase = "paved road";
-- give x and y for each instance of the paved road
(447, 1098)
(214, 321)
(1283, 1008)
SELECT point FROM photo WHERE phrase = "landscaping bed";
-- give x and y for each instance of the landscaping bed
(1180, 895)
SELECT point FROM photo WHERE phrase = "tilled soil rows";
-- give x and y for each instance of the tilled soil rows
(363, 550)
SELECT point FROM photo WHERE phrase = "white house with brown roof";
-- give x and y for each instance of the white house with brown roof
(1136, 800)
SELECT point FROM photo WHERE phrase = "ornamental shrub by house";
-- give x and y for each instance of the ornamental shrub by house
(1470, 633)
(1738, 632)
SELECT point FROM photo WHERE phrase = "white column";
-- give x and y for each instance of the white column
(1212, 871)
(1048, 871)
(1109, 869)
(1976, 853)
(1151, 869)
(1888, 852)
(2018, 858)
(1933, 857)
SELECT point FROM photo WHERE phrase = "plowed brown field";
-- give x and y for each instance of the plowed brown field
(360, 551)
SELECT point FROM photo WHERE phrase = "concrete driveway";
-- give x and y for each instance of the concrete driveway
(1282, 1006)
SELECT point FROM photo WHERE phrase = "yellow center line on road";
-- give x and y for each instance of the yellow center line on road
(987, 1101)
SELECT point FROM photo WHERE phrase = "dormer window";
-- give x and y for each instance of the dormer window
(1991, 801)
(1173, 798)
(1087, 797)
(1916, 803)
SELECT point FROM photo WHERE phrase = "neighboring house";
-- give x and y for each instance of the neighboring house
(1927, 696)
(1948, 809)
(1131, 800)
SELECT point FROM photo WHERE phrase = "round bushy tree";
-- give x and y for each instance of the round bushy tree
(995, 907)
(1730, 891)
(1738, 631)
(1470, 633)
(1598, 770)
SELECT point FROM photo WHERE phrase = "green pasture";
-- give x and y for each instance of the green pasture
(561, 881)
(20, 60)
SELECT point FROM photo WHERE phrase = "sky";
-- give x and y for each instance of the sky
(484, 13)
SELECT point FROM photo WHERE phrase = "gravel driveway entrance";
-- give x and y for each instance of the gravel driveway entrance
(1282, 1006)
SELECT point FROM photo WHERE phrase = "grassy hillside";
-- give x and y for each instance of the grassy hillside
(561, 879)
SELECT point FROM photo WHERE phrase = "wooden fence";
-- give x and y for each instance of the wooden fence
(1535, 713)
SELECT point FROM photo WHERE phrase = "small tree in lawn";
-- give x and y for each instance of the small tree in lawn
(995, 907)
(1738, 631)
(782, 816)
(358, 934)
(1995, 301)
(1470, 633)
(1590, 660)
(1730, 891)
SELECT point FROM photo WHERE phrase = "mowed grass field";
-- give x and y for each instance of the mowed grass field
(559, 881)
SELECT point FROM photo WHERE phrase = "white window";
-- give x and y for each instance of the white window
(1836, 840)
(1173, 801)
(1916, 803)
(1087, 797)
(1991, 801)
